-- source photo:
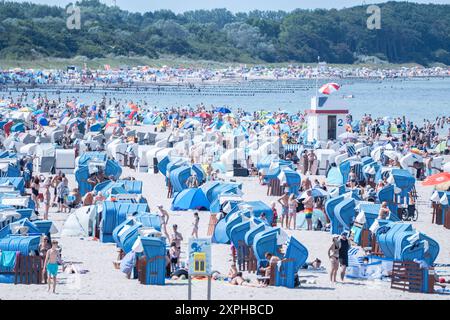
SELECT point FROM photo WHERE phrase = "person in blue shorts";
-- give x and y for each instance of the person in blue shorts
(51, 265)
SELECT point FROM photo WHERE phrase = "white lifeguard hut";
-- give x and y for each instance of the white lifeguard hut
(326, 118)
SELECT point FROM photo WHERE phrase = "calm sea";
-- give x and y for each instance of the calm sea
(417, 99)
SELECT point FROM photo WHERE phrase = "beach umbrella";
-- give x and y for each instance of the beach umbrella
(316, 192)
(329, 88)
(223, 110)
(416, 151)
(437, 179)
(441, 147)
(192, 198)
(35, 113)
(203, 115)
(43, 122)
(26, 109)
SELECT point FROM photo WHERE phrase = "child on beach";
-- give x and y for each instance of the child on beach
(51, 264)
(195, 225)
(274, 214)
(174, 255)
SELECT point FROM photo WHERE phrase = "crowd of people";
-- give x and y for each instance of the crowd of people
(144, 74)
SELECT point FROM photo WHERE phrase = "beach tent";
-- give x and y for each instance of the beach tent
(81, 222)
(317, 215)
(192, 198)
(334, 176)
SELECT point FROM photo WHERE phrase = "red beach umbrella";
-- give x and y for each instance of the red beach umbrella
(436, 179)
(329, 88)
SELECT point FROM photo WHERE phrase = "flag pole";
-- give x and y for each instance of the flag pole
(317, 77)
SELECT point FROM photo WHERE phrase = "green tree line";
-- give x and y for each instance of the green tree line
(409, 32)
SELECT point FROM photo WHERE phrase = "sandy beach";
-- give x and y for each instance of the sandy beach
(102, 281)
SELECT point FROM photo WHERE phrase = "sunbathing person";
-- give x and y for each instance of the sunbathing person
(238, 280)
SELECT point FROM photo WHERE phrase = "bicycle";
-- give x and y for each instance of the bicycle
(406, 216)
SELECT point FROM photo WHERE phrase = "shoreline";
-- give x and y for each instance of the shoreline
(187, 83)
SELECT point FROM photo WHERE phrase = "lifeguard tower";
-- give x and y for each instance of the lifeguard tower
(326, 118)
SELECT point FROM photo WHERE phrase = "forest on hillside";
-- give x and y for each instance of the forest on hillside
(409, 32)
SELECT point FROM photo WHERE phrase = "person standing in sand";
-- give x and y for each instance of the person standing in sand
(176, 236)
(274, 214)
(305, 162)
(333, 254)
(195, 225)
(311, 159)
(164, 219)
(306, 184)
(309, 206)
(284, 201)
(47, 197)
(51, 265)
(292, 211)
(344, 246)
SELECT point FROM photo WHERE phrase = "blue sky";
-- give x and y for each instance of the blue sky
(232, 5)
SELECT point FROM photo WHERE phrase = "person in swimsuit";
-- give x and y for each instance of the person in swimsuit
(284, 201)
(35, 191)
(306, 184)
(195, 225)
(352, 179)
(344, 246)
(164, 219)
(292, 211)
(51, 265)
(384, 211)
(311, 159)
(305, 162)
(333, 254)
(238, 280)
(308, 202)
(267, 271)
(176, 237)
(55, 181)
(174, 256)
(47, 197)
(274, 214)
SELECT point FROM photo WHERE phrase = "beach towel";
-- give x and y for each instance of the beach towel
(8, 259)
